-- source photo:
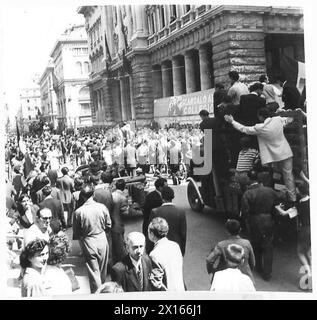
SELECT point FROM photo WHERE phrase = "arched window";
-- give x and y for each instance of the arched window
(86, 67)
(79, 67)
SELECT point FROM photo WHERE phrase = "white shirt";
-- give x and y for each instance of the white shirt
(272, 143)
(35, 232)
(231, 280)
(236, 91)
(136, 264)
(58, 281)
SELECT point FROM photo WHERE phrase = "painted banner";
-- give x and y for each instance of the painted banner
(184, 106)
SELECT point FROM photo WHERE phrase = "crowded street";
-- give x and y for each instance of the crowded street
(143, 158)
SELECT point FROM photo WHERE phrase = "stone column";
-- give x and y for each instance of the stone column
(157, 82)
(131, 97)
(190, 73)
(116, 96)
(123, 99)
(92, 104)
(178, 78)
(142, 88)
(205, 80)
(167, 81)
(108, 101)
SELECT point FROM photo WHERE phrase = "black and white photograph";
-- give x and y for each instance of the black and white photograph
(156, 149)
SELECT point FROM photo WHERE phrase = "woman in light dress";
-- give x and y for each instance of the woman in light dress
(33, 262)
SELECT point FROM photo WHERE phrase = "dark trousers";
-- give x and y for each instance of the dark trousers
(145, 168)
(262, 227)
(118, 247)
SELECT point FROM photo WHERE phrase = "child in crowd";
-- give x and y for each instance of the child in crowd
(247, 158)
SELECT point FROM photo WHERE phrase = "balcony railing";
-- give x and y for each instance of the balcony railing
(186, 18)
(201, 10)
(173, 26)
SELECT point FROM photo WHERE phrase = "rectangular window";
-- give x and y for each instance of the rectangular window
(173, 13)
(162, 17)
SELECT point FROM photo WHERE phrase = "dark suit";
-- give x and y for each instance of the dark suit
(177, 225)
(58, 219)
(124, 274)
(66, 186)
(249, 106)
(248, 113)
(257, 207)
(152, 200)
(291, 96)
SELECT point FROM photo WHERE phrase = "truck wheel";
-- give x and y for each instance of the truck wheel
(193, 198)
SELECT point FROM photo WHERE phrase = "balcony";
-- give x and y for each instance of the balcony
(201, 9)
(161, 33)
(186, 18)
(172, 26)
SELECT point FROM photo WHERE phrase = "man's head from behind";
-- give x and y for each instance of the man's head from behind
(135, 243)
(167, 194)
(233, 227)
(158, 229)
(160, 183)
(233, 75)
(256, 87)
(253, 176)
(120, 184)
(204, 114)
(64, 170)
(87, 191)
(106, 177)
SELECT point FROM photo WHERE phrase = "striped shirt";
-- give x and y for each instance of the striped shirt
(246, 159)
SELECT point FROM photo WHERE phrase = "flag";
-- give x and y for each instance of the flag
(294, 72)
(108, 55)
(123, 33)
(18, 131)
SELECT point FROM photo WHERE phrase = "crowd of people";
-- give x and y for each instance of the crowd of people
(78, 181)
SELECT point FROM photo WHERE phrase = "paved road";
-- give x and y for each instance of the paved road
(204, 230)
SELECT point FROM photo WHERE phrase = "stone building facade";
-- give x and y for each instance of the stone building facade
(141, 54)
(30, 107)
(71, 74)
(48, 96)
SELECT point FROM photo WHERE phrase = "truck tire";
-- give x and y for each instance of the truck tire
(194, 198)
